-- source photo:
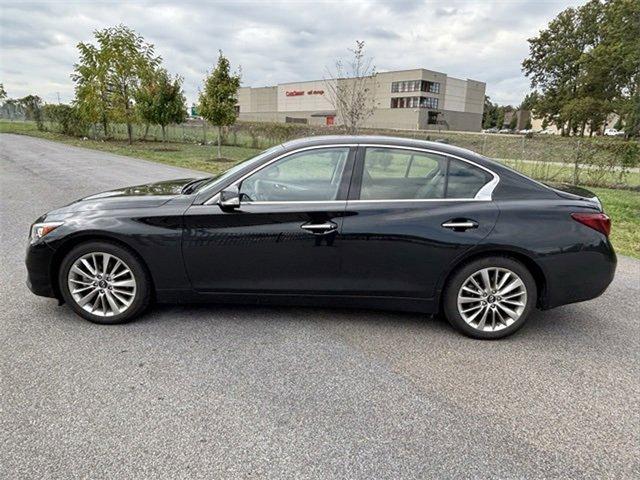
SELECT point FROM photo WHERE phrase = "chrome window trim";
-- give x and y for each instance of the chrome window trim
(421, 200)
(298, 202)
(485, 194)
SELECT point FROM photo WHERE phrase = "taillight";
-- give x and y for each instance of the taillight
(598, 221)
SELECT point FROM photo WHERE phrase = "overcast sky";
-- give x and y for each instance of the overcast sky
(277, 42)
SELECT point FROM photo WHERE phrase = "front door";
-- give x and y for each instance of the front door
(409, 216)
(285, 237)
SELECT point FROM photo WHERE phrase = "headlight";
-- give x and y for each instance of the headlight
(39, 230)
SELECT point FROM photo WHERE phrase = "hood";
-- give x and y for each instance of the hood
(137, 196)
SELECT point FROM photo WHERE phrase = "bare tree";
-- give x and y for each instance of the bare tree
(352, 88)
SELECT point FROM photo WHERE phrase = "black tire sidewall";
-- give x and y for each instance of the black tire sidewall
(141, 300)
(450, 304)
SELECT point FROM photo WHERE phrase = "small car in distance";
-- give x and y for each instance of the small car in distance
(612, 132)
(352, 221)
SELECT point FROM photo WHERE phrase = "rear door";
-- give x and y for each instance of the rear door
(410, 213)
(284, 238)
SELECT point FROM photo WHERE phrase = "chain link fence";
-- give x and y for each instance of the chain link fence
(598, 161)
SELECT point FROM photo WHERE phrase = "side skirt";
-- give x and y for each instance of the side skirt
(405, 304)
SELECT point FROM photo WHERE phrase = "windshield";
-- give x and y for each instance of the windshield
(215, 180)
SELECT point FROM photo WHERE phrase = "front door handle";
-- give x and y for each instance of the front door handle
(319, 228)
(460, 224)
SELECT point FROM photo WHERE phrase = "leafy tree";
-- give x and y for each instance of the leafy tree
(93, 95)
(530, 101)
(130, 60)
(553, 64)
(500, 118)
(351, 88)
(219, 97)
(616, 58)
(513, 123)
(490, 113)
(110, 73)
(32, 105)
(160, 100)
(586, 64)
(3, 93)
(585, 111)
(630, 112)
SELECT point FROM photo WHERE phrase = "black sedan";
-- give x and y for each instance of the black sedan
(351, 221)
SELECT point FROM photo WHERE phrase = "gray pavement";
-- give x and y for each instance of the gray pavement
(255, 392)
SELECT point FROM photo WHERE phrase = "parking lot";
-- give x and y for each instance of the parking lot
(256, 392)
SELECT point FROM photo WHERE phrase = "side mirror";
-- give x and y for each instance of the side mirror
(230, 198)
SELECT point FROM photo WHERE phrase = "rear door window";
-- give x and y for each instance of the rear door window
(399, 174)
(394, 174)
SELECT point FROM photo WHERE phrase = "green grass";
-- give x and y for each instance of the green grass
(187, 155)
(623, 206)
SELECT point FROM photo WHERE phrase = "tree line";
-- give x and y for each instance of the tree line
(120, 79)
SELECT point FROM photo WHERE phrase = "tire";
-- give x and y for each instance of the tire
(130, 283)
(507, 309)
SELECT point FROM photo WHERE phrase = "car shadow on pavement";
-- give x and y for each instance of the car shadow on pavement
(552, 326)
(539, 324)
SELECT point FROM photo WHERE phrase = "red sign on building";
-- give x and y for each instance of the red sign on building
(298, 93)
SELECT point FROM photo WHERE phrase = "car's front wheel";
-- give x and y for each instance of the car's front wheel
(490, 298)
(104, 282)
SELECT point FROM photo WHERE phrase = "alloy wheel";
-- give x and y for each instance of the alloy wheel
(102, 284)
(492, 299)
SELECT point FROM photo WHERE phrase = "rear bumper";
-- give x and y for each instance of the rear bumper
(578, 276)
(38, 261)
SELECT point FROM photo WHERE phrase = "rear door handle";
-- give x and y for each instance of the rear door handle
(319, 228)
(460, 224)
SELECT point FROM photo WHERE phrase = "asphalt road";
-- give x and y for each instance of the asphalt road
(248, 392)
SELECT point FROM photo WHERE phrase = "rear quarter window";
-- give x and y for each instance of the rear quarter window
(465, 180)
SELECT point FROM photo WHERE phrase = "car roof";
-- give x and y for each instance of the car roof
(379, 140)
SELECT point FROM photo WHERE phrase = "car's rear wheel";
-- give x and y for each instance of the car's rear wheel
(104, 282)
(490, 297)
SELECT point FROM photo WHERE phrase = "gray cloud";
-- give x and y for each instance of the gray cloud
(278, 41)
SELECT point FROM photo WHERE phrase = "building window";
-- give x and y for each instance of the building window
(431, 87)
(432, 118)
(428, 102)
(414, 102)
(415, 86)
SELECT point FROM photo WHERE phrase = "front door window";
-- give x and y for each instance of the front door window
(311, 175)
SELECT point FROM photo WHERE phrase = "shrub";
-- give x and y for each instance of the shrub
(67, 118)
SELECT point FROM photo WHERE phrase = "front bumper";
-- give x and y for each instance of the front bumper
(39, 262)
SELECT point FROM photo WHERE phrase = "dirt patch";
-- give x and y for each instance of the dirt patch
(165, 149)
(221, 160)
